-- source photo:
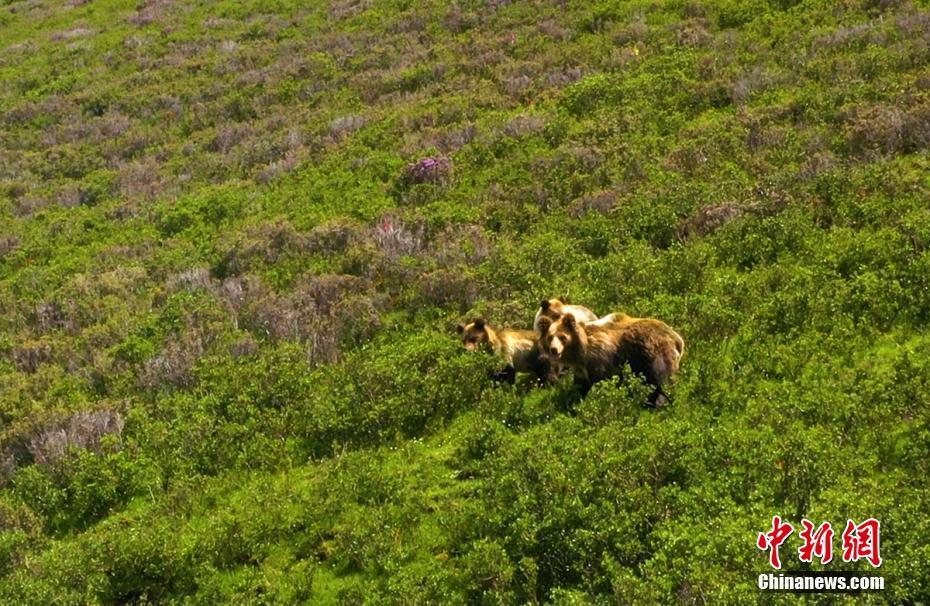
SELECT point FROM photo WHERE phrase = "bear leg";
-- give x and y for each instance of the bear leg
(546, 372)
(507, 375)
(658, 398)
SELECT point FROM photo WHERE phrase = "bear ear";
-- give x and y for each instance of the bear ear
(568, 320)
(543, 325)
(544, 304)
(479, 323)
(460, 328)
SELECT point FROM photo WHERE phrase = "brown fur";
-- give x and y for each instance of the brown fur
(620, 319)
(599, 351)
(553, 309)
(518, 348)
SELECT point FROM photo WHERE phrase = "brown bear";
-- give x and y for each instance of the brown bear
(601, 350)
(518, 348)
(553, 309)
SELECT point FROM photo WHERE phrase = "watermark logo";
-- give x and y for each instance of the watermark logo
(817, 543)
(773, 539)
(860, 541)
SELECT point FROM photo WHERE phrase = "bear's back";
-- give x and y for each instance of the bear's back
(648, 345)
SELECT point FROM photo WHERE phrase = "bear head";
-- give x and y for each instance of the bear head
(559, 336)
(474, 335)
(551, 309)
(554, 305)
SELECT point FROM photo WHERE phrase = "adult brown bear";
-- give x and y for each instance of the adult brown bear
(598, 351)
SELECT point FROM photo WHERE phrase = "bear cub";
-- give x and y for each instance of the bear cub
(553, 309)
(519, 349)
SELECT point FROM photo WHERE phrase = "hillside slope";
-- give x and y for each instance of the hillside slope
(235, 238)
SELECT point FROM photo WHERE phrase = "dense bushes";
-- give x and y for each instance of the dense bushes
(227, 366)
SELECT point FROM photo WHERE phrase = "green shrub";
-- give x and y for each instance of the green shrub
(212, 233)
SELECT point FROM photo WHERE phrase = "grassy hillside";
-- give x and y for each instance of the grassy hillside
(229, 282)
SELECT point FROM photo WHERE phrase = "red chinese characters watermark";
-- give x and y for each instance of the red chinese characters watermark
(816, 542)
(773, 539)
(862, 541)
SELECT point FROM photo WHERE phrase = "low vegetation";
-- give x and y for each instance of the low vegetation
(236, 239)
